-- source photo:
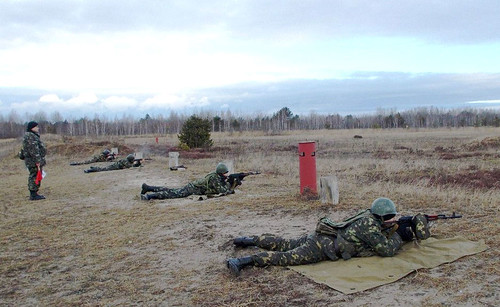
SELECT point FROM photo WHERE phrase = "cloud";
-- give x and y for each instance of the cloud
(82, 99)
(361, 92)
(485, 101)
(172, 101)
(119, 102)
(163, 101)
(124, 48)
(51, 98)
(459, 21)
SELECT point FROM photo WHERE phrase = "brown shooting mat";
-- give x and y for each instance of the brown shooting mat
(359, 274)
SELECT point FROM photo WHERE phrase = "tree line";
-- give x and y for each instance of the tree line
(425, 117)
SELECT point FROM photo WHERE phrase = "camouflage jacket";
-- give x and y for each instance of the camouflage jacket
(98, 158)
(120, 164)
(365, 237)
(33, 149)
(211, 184)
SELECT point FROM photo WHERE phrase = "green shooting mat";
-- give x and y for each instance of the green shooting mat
(359, 274)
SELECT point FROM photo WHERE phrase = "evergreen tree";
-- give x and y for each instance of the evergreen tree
(195, 133)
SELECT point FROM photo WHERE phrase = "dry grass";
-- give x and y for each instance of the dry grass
(94, 242)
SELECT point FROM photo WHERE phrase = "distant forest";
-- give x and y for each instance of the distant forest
(283, 120)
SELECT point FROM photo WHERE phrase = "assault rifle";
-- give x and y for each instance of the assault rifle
(236, 178)
(138, 162)
(406, 220)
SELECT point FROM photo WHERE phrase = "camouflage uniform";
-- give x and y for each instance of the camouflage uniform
(363, 237)
(121, 164)
(34, 152)
(97, 158)
(211, 184)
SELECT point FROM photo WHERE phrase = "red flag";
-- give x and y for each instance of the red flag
(38, 177)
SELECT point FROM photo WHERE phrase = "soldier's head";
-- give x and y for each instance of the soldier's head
(221, 169)
(106, 152)
(383, 208)
(130, 158)
(31, 125)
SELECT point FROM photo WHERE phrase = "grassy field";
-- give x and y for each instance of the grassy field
(94, 242)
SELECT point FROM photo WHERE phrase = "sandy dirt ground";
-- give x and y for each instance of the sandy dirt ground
(94, 242)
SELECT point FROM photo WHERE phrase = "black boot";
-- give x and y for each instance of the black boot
(149, 196)
(144, 189)
(34, 196)
(236, 264)
(244, 241)
(149, 188)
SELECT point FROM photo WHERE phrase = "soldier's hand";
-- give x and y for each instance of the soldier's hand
(420, 227)
(230, 179)
(405, 233)
(391, 221)
(389, 231)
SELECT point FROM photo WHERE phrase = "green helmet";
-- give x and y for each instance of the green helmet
(221, 168)
(130, 158)
(106, 152)
(384, 208)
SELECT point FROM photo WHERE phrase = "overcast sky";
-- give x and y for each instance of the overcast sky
(153, 56)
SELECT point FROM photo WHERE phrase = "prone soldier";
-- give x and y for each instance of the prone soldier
(215, 183)
(105, 156)
(128, 162)
(370, 232)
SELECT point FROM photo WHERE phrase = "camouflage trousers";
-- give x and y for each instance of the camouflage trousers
(111, 167)
(189, 189)
(82, 163)
(304, 250)
(32, 186)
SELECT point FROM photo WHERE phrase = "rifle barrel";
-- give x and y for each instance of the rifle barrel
(431, 217)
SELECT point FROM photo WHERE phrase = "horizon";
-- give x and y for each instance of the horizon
(56, 117)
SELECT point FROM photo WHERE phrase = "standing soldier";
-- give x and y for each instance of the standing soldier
(105, 156)
(212, 184)
(128, 162)
(34, 158)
